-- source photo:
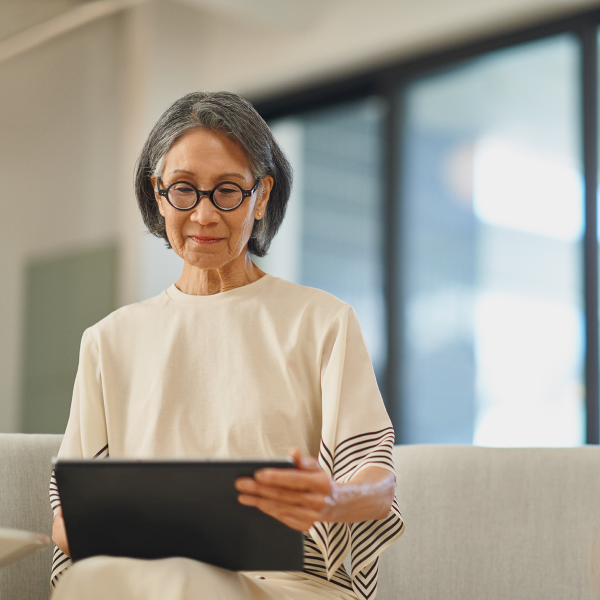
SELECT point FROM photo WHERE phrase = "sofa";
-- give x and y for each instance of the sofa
(481, 523)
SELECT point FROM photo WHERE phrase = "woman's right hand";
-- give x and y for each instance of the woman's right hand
(59, 532)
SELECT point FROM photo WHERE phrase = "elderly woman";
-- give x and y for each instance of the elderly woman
(232, 362)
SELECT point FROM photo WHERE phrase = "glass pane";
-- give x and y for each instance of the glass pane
(491, 244)
(331, 236)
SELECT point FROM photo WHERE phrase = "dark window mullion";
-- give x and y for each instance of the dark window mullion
(590, 169)
(391, 139)
(388, 133)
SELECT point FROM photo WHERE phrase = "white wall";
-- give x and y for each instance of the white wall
(74, 113)
(59, 120)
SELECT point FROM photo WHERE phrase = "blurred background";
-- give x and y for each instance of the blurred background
(445, 156)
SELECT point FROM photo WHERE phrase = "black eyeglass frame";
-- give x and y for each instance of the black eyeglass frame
(209, 193)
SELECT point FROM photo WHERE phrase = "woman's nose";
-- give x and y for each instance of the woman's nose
(205, 212)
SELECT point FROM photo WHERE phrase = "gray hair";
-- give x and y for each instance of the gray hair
(236, 117)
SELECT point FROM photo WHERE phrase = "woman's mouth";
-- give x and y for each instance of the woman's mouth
(204, 239)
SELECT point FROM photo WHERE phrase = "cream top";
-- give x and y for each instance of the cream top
(249, 372)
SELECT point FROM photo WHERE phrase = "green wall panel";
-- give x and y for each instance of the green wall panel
(64, 295)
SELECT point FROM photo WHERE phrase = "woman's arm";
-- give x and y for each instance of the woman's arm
(301, 496)
(59, 533)
(85, 436)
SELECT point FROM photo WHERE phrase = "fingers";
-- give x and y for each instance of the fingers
(301, 478)
(291, 479)
(296, 497)
(295, 523)
(313, 501)
(296, 517)
(305, 463)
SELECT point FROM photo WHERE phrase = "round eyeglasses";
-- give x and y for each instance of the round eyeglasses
(227, 195)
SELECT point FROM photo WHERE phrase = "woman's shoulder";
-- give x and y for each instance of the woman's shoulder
(124, 318)
(292, 296)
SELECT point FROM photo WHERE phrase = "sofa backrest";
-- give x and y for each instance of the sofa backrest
(495, 524)
(481, 523)
(25, 469)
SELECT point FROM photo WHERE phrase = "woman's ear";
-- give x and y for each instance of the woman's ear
(157, 196)
(264, 193)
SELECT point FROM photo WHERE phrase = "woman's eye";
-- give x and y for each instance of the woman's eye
(183, 189)
(227, 190)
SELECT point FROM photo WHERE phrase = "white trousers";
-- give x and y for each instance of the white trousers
(112, 578)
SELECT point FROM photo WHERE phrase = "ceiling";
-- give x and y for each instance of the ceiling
(20, 15)
(288, 14)
(17, 16)
(314, 38)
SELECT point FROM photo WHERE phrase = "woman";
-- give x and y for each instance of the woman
(233, 362)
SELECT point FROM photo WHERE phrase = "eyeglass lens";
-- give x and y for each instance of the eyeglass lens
(183, 195)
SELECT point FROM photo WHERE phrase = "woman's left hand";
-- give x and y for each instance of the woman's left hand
(299, 497)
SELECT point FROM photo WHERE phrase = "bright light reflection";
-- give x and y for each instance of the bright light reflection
(518, 188)
(529, 356)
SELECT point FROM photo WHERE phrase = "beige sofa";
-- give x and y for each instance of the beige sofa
(481, 524)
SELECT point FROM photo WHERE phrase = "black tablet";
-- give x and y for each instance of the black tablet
(161, 508)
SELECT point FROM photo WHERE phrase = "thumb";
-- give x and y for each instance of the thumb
(304, 463)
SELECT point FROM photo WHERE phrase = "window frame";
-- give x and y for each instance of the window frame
(388, 82)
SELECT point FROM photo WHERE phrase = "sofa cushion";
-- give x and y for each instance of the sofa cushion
(495, 524)
(25, 468)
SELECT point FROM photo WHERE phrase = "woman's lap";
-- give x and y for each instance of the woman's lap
(105, 577)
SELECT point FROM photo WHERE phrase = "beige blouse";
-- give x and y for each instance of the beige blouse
(244, 373)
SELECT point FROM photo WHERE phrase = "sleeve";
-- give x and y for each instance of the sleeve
(356, 433)
(86, 434)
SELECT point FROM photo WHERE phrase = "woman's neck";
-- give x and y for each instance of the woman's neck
(207, 282)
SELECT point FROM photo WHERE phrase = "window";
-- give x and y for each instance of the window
(475, 274)
(332, 235)
(492, 229)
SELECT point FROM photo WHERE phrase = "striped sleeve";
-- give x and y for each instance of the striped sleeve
(314, 565)
(370, 538)
(60, 561)
(86, 435)
(356, 433)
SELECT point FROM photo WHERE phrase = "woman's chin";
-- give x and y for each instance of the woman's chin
(206, 260)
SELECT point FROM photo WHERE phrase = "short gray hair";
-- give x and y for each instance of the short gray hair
(236, 117)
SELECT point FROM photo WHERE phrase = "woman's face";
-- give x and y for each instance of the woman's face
(206, 237)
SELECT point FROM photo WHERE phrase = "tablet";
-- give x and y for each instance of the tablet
(161, 508)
